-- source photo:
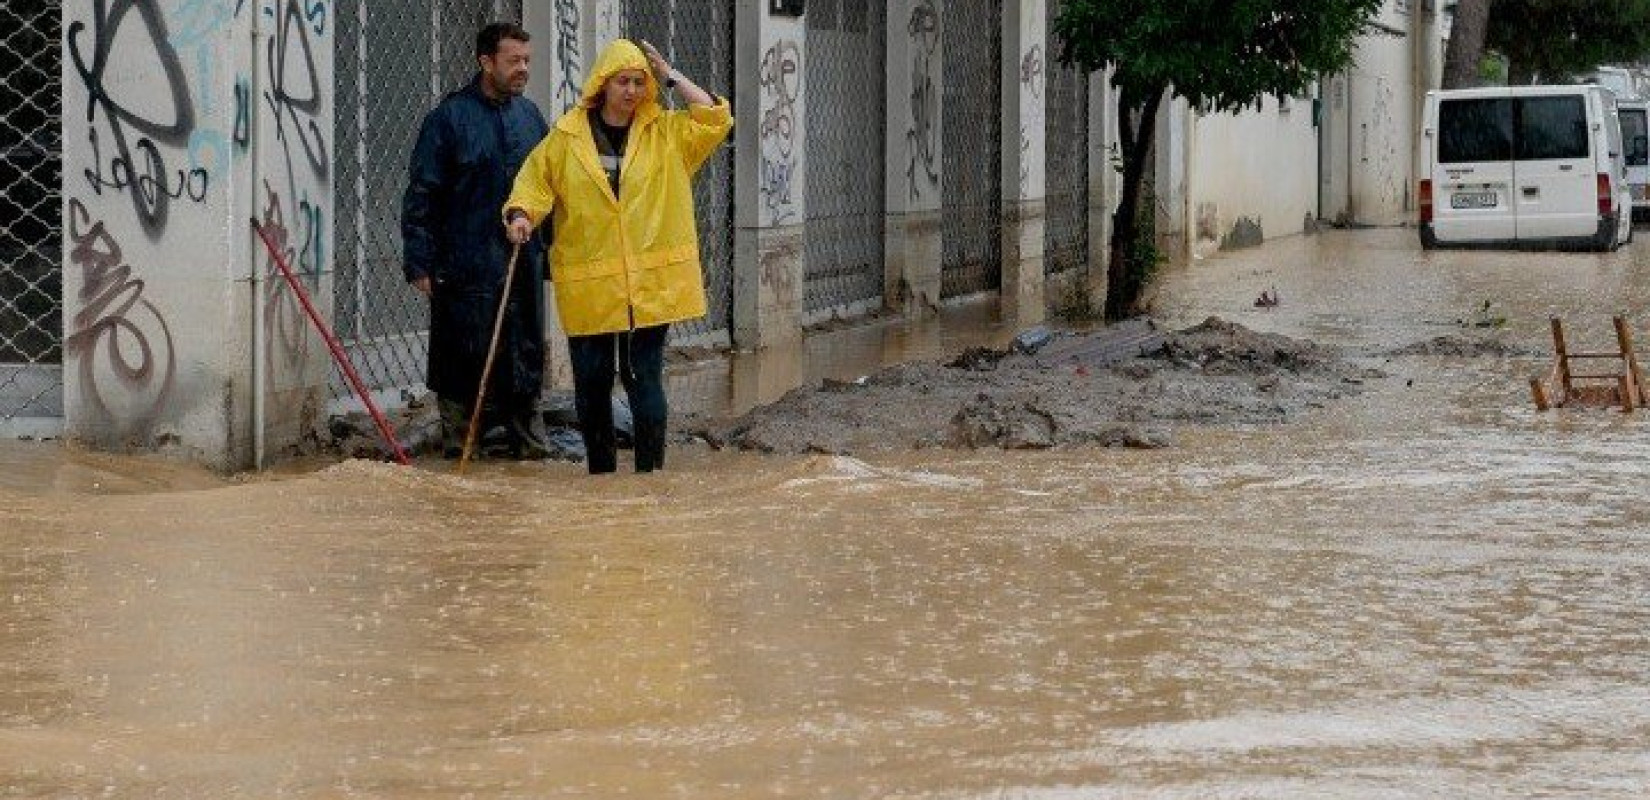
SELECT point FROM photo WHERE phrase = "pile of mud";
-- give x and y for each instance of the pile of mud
(1118, 387)
(1457, 346)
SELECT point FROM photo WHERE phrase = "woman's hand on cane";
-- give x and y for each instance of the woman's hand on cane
(518, 230)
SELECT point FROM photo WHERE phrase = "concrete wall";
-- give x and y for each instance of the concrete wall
(770, 172)
(1371, 119)
(1024, 167)
(912, 244)
(1171, 179)
(1253, 175)
(179, 127)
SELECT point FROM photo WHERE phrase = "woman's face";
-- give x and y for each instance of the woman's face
(624, 91)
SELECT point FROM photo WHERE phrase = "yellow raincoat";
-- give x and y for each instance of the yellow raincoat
(629, 262)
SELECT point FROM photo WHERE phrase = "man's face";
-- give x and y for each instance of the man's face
(507, 70)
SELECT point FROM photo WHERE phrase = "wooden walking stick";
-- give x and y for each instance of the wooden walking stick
(487, 367)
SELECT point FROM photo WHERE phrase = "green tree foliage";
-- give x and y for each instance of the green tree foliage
(1555, 39)
(1221, 55)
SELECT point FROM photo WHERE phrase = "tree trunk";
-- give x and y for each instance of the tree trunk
(1125, 279)
(1466, 44)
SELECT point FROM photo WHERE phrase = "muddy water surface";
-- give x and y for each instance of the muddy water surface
(1426, 590)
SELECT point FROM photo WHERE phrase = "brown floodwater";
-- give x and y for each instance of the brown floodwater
(1429, 590)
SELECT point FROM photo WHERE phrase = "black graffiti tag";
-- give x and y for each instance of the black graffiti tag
(1031, 71)
(782, 83)
(243, 114)
(301, 110)
(136, 341)
(149, 181)
(568, 58)
(921, 138)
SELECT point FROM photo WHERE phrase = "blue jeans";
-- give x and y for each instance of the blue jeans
(639, 357)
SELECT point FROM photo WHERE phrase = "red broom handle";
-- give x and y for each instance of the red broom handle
(338, 354)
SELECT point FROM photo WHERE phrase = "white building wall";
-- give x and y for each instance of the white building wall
(1383, 127)
(1254, 175)
(1370, 122)
(179, 128)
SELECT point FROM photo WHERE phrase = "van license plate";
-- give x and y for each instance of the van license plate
(1473, 200)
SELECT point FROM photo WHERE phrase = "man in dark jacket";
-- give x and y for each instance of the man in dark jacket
(469, 150)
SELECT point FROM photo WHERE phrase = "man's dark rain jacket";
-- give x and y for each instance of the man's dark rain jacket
(469, 150)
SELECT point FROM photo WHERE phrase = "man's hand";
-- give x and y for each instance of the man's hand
(422, 285)
(518, 230)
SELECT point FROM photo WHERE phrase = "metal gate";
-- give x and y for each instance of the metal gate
(845, 90)
(1066, 235)
(971, 181)
(696, 36)
(31, 221)
(393, 66)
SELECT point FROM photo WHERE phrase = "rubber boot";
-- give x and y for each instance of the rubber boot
(455, 420)
(650, 446)
(601, 450)
(526, 439)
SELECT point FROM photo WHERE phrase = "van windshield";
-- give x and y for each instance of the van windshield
(1637, 136)
(1502, 129)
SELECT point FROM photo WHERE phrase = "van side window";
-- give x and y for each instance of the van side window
(1637, 136)
(1475, 130)
(1552, 128)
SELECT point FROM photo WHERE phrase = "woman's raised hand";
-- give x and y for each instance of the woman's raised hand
(661, 67)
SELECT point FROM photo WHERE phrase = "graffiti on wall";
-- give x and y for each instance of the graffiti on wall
(283, 315)
(781, 82)
(569, 60)
(922, 138)
(1033, 114)
(295, 101)
(1031, 71)
(117, 333)
(193, 25)
(158, 118)
(138, 148)
(294, 93)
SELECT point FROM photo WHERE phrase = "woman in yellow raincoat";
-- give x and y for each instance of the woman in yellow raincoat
(614, 178)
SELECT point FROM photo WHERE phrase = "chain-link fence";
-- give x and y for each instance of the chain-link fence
(696, 36)
(1066, 232)
(393, 66)
(971, 120)
(31, 241)
(845, 89)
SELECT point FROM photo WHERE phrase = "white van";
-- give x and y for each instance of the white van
(1524, 166)
(1635, 133)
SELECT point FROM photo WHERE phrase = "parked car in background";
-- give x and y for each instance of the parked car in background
(1525, 166)
(1626, 83)
(1635, 136)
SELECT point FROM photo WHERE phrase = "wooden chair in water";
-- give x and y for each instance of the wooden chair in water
(1624, 388)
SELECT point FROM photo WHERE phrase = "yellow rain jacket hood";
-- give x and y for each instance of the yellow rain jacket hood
(629, 261)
